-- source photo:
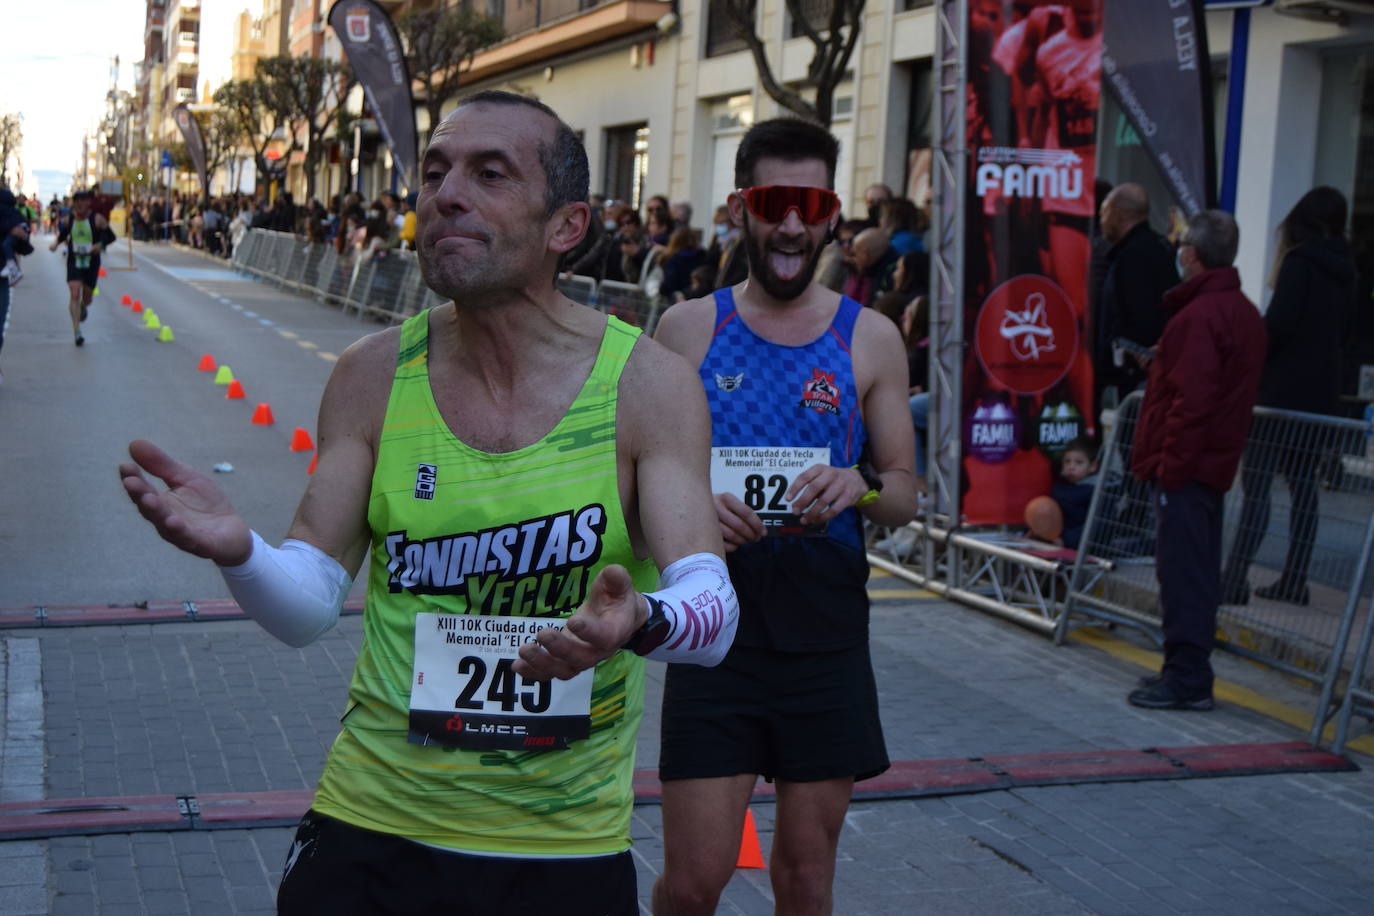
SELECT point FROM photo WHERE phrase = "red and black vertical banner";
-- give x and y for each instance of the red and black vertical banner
(1034, 79)
(374, 52)
(1155, 64)
(195, 143)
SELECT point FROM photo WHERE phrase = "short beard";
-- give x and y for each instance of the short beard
(760, 270)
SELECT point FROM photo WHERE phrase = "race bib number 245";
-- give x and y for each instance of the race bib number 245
(465, 693)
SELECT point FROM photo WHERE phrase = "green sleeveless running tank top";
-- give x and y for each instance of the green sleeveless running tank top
(457, 531)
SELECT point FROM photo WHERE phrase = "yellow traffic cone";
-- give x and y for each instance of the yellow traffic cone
(224, 375)
(166, 333)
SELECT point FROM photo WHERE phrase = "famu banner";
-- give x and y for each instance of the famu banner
(1034, 72)
(375, 54)
(195, 144)
(1155, 63)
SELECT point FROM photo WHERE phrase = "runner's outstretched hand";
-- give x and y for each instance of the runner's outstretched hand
(610, 615)
(192, 514)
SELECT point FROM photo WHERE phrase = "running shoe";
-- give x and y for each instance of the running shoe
(79, 339)
(12, 272)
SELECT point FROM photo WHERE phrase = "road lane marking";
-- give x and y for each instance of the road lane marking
(289, 335)
(308, 345)
(327, 357)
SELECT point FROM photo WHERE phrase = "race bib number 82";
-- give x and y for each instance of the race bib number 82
(760, 476)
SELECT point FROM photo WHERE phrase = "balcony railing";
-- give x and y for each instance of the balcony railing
(519, 16)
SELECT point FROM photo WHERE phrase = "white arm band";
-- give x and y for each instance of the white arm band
(700, 603)
(294, 592)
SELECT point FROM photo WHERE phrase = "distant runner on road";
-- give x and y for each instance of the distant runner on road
(522, 471)
(86, 236)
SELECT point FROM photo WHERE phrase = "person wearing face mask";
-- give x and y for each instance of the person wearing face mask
(602, 260)
(723, 235)
(1202, 386)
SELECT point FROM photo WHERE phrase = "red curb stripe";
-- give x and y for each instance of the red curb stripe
(905, 779)
(122, 615)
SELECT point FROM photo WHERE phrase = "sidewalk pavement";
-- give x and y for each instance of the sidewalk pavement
(220, 707)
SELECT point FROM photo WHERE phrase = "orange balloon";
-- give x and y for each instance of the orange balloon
(1044, 519)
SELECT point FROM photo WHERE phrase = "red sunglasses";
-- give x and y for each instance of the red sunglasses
(772, 203)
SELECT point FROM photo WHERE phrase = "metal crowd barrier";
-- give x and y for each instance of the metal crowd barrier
(389, 287)
(1359, 694)
(1294, 556)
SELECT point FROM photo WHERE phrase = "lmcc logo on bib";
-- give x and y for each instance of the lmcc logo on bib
(1027, 334)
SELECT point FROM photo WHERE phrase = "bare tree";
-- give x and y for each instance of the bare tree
(259, 112)
(834, 45)
(441, 43)
(220, 137)
(309, 91)
(11, 138)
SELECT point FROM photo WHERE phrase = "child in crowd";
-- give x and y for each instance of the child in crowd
(1073, 489)
(9, 218)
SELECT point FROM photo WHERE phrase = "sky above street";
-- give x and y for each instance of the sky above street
(56, 67)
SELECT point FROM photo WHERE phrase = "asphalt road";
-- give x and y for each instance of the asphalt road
(68, 535)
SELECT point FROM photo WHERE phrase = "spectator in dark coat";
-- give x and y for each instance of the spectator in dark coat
(874, 264)
(1139, 271)
(1308, 319)
(682, 256)
(1193, 423)
(603, 259)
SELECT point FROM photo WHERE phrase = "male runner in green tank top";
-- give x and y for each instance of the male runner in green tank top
(509, 457)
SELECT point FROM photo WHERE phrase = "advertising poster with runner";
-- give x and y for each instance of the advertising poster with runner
(1034, 81)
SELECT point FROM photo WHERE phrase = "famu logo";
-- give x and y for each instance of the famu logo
(1036, 173)
(537, 567)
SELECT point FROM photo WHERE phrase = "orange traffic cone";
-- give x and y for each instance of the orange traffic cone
(137, 306)
(126, 300)
(262, 415)
(235, 390)
(314, 460)
(750, 853)
(207, 363)
(103, 272)
(300, 441)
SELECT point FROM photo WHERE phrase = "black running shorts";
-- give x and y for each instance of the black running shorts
(89, 276)
(342, 870)
(798, 717)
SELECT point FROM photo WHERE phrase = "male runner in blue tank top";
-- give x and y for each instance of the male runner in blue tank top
(810, 428)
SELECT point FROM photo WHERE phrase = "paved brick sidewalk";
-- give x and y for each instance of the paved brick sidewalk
(221, 707)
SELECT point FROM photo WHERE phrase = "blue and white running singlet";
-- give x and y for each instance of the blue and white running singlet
(797, 593)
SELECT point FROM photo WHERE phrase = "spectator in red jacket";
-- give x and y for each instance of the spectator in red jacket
(1198, 399)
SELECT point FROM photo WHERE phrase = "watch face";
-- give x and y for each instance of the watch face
(654, 634)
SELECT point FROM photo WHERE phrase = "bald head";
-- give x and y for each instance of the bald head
(1126, 207)
(868, 247)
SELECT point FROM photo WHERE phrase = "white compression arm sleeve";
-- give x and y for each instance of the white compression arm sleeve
(294, 592)
(700, 603)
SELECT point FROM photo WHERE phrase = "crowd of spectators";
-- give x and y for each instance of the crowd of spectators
(353, 225)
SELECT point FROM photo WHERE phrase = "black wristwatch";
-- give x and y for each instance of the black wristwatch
(870, 476)
(875, 484)
(653, 633)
